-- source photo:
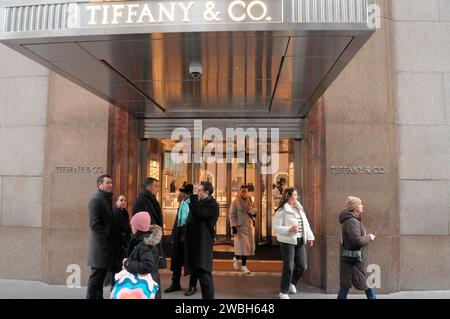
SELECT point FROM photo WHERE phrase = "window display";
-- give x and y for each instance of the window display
(153, 169)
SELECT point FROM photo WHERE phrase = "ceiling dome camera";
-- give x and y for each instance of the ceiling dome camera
(195, 69)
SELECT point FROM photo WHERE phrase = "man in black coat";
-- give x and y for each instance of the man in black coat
(179, 248)
(103, 237)
(147, 202)
(200, 236)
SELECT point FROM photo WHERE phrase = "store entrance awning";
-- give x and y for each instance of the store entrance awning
(261, 59)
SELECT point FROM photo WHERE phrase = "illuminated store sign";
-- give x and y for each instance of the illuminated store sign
(174, 12)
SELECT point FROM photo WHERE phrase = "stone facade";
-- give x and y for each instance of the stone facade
(23, 118)
(360, 130)
(77, 135)
(422, 73)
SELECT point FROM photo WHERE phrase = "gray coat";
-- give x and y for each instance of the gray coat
(354, 237)
(103, 235)
(244, 242)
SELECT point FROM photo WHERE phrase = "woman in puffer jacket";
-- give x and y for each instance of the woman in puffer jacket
(354, 238)
(294, 233)
(143, 251)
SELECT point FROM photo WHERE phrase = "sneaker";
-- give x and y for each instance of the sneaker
(283, 296)
(245, 270)
(236, 264)
(292, 289)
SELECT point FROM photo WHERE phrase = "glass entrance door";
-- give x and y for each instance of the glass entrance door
(227, 179)
(218, 174)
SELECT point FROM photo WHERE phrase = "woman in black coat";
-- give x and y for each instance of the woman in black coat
(122, 222)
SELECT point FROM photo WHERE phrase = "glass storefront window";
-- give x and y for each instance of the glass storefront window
(291, 174)
(153, 169)
(174, 177)
(281, 181)
(263, 190)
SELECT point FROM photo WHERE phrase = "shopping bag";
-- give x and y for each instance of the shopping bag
(131, 286)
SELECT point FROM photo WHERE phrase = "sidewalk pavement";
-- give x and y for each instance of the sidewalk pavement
(228, 285)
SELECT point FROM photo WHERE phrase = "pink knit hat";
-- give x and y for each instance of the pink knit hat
(141, 221)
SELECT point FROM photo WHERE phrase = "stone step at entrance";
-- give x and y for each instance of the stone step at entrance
(255, 266)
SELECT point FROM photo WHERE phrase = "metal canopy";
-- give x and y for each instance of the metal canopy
(250, 69)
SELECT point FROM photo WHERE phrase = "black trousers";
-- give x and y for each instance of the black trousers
(243, 258)
(95, 283)
(206, 282)
(179, 261)
(176, 278)
(193, 281)
(294, 264)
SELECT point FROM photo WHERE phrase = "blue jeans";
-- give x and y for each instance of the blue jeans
(343, 292)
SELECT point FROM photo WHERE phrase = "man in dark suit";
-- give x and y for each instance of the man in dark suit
(200, 236)
(147, 202)
(102, 241)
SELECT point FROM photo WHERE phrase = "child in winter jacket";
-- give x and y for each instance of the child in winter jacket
(143, 254)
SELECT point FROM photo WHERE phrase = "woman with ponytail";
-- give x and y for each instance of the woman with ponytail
(293, 232)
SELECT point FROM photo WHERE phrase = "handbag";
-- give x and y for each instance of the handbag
(131, 286)
(252, 216)
(351, 257)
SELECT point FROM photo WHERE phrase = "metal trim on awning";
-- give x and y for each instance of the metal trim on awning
(163, 128)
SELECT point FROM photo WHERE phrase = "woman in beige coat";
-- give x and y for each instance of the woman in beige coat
(242, 221)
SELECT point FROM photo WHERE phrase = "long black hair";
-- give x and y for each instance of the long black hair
(285, 198)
